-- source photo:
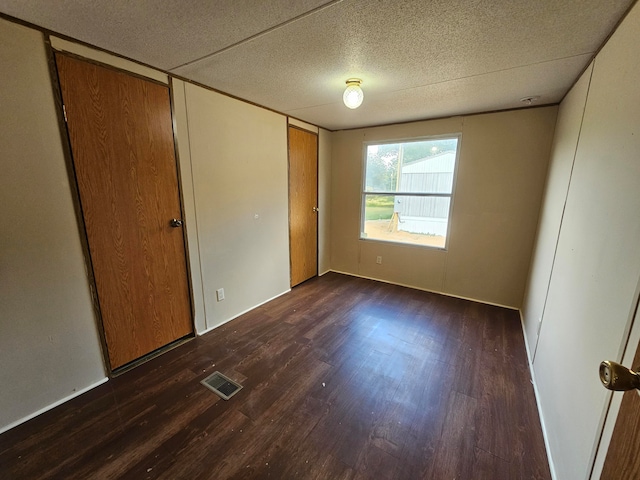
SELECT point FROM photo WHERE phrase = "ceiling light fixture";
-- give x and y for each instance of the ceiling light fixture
(353, 94)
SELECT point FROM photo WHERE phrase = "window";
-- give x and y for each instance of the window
(407, 191)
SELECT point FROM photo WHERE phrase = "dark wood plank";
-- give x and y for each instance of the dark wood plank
(344, 378)
(460, 430)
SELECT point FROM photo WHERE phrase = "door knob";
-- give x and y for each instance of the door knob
(175, 223)
(316, 209)
(616, 377)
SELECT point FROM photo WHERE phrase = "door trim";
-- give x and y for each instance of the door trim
(150, 356)
(187, 257)
(611, 410)
(77, 207)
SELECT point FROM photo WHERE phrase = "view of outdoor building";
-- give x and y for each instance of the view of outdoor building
(407, 191)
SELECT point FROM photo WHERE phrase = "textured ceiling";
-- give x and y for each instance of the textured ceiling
(418, 59)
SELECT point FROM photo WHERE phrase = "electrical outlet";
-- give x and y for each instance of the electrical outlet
(220, 294)
(379, 260)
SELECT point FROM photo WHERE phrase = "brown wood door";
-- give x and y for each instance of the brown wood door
(303, 202)
(623, 460)
(121, 136)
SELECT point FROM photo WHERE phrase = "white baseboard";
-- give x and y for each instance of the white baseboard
(53, 405)
(425, 290)
(537, 395)
(203, 332)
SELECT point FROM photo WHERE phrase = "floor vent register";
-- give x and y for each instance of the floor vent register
(223, 386)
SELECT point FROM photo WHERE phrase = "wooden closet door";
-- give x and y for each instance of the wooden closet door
(303, 202)
(121, 136)
(622, 460)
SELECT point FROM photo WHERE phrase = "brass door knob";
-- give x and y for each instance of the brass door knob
(618, 378)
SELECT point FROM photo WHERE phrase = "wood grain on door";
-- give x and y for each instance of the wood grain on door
(121, 136)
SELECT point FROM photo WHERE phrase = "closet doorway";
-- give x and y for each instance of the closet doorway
(303, 204)
(121, 137)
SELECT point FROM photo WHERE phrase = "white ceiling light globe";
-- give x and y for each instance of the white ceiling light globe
(353, 94)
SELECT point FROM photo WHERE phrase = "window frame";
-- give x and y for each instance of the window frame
(451, 196)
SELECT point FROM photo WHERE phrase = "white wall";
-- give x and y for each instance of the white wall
(563, 153)
(185, 175)
(49, 346)
(500, 180)
(237, 155)
(595, 275)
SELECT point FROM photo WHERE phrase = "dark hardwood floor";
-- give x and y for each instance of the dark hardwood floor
(344, 378)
